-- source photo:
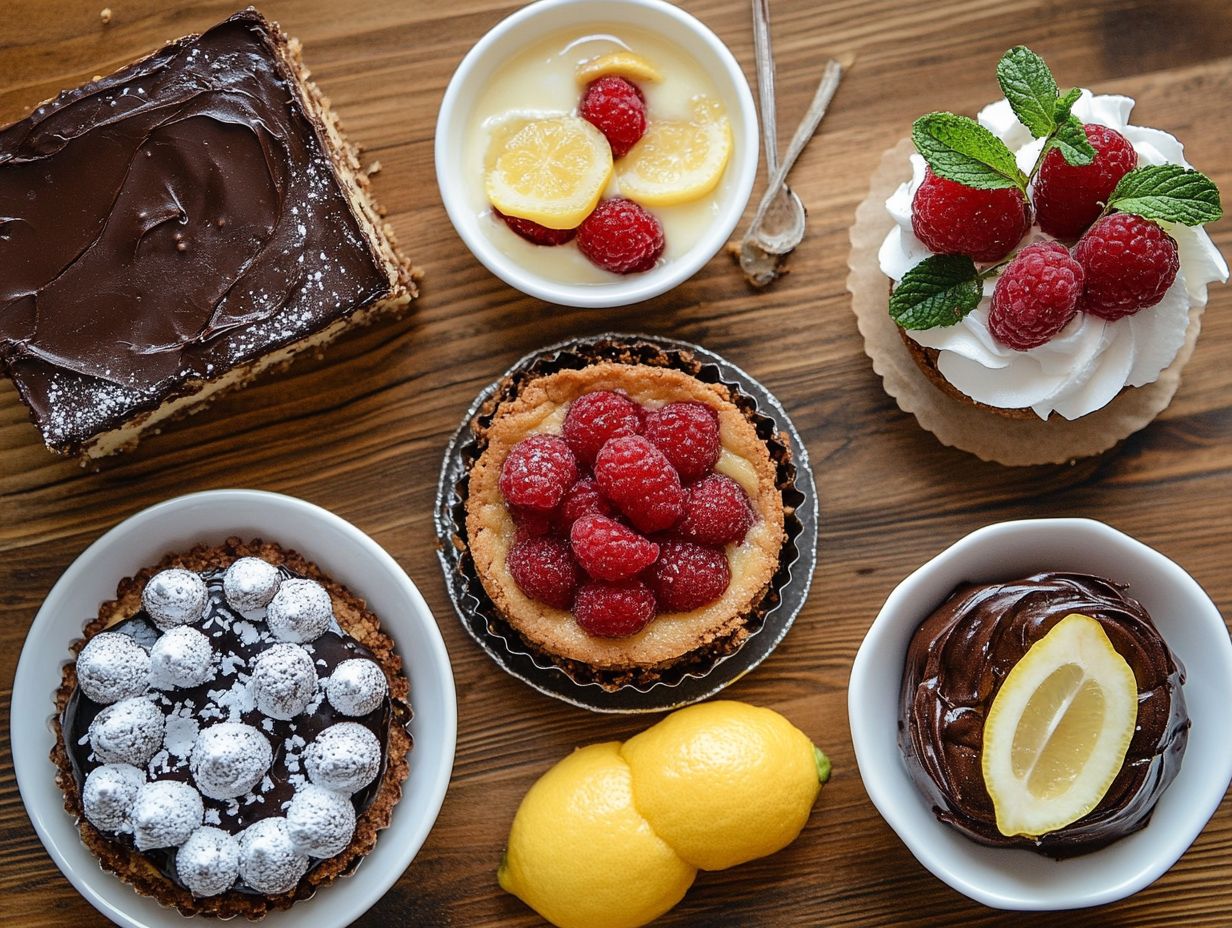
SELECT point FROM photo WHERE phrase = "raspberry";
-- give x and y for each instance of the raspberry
(1129, 262)
(952, 219)
(538, 472)
(716, 512)
(610, 551)
(593, 418)
(1068, 198)
(616, 108)
(621, 237)
(688, 576)
(640, 482)
(688, 436)
(535, 233)
(1036, 296)
(544, 569)
(614, 610)
(531, 523)
(583, 497)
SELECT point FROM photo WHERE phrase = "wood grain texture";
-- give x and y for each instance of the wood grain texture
(362, 432)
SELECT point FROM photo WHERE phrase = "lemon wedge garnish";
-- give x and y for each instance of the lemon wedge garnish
(551, 171)
(626, 64)
(676, 162)
(1056, 735)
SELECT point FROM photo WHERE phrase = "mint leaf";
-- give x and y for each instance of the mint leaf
(1029, 86)
(1071, 140)
(959, 149)
(1169, 193)
(938, 291)
(1066, 103)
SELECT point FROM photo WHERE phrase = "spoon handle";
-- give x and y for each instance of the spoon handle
(808, 126)
(765, 83)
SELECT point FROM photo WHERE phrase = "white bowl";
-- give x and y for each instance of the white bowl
(1020, 879)
(541, 19)
(344, 553)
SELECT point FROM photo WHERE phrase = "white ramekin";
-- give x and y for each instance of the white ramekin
(541, 19)
(347, 555)
(1021, 879)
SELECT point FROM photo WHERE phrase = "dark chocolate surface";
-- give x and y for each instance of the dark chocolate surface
(165, 224)
(956, 663)
(238, 641)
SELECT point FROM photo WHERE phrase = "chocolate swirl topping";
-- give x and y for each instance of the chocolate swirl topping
(167, 223)
(956, 663)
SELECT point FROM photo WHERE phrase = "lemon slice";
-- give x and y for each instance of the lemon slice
(676, 162)
(1056, 735)
(551, 171)
(626, 64)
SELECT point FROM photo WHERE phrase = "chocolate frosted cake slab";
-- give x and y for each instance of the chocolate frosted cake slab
(173, 229)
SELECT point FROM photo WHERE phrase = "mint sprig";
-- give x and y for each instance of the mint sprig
(959, 149)
(1168, 193)
(1032, 91)
(939, 291)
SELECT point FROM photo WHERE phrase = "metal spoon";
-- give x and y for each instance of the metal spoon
(786, 212)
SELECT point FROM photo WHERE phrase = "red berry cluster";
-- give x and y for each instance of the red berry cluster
(621, 517)
(1121, 263)
(619, 235)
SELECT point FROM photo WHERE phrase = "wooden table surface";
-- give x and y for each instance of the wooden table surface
(362, 432)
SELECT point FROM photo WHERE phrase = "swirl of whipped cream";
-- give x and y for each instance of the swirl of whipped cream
(1091, 360)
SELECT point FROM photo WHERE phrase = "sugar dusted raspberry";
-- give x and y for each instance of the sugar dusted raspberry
(716, 512)
(1036, 296)
(621, 237)
(593, 418)
(614, 610)
(544, 569)
(538, 472)
(583, 497)
(688, 436)
(610, 551)
(641, 482)
(531, 523)
(952, 219)
(616, 107)
(535, 233)
(688, 576)
(1070, 197)
(1129, 262)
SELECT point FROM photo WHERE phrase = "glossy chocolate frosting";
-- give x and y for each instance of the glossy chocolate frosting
(238, 642)
(955, 665)
(167, 223)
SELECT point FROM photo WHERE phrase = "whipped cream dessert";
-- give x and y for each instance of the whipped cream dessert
(1092, 359)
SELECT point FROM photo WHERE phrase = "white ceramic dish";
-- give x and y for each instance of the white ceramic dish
(1020, 879)
(348, 556)
(541, 19)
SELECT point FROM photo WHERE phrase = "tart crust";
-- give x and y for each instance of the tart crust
(539, 407)
(359, 622)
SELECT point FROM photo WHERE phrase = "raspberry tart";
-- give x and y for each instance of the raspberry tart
(624, 518)
(1049, 255)
(232, 734)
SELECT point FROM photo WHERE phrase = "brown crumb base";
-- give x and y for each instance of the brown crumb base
(359, 622)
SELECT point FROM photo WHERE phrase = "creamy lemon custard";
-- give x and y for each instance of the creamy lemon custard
(545, 82)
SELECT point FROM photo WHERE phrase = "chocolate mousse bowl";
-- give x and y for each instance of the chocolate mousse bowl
(926, 682)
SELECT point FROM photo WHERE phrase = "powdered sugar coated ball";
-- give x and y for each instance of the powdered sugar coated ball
(229, 759)
(320, 822)
(175, 597)
(111, 667)
(300, 611)
(181, 656)
(108, 796)
(269, 862)
(344, 757)
(250, 583)
(208, 862)
(284, 680)
(128, 732)
(356, 687)
(165, 814)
